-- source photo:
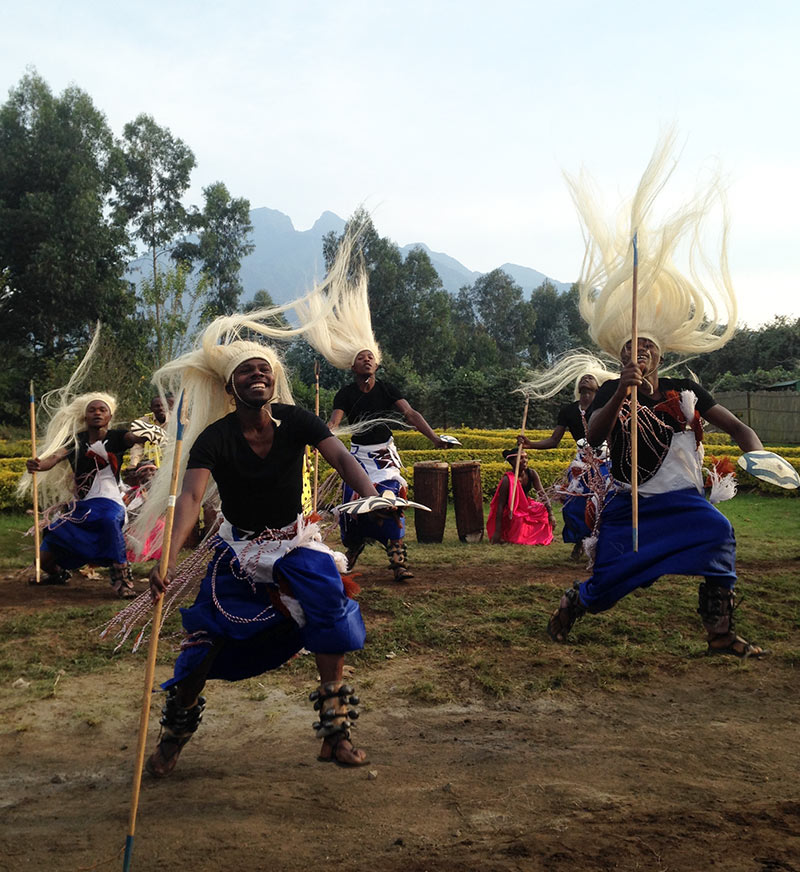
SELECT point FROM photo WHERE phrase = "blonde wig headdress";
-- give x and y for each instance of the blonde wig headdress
(66, 414)
(338, 323)
(572, 367)
(202, 374)
(689, 313)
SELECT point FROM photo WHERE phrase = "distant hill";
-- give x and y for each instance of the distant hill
(286, 261)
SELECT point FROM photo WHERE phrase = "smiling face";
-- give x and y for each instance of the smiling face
(648, 356)
(98, 415)
(252, 382)
(364, 365)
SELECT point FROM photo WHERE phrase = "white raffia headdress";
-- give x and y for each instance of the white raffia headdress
(690, 312)
(202, 374)
(66, 414)
(571, 367)
(338, 323)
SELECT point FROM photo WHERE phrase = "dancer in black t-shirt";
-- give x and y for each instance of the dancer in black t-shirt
(368, 398)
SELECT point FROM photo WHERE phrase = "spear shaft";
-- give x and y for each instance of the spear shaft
(37, 560)
(152, 652)
(519, 452)
(635, 395)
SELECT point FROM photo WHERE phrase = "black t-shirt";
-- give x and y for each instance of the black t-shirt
(85, 468)
(570, 418)
(359, 406)
(257, 492)
(658, 422)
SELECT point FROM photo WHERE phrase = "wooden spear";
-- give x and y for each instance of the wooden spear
(316, 451)
(519, 452)
(635, 395)
(150, 669)
(37, 560)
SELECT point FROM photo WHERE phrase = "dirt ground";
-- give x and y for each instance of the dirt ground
(692, 773)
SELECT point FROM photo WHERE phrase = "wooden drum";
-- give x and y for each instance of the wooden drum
(468, 500)
(430, 489)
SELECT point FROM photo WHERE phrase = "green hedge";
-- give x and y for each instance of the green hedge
(485, 446)
(17, 448)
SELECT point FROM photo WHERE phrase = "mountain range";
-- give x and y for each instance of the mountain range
(286, 261)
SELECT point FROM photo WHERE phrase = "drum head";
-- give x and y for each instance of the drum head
(771, 468)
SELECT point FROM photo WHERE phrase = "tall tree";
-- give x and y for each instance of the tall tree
(62, 256)
(559, 326)
(499, 307)
(409, 307)
(158, 169)
(224, 230)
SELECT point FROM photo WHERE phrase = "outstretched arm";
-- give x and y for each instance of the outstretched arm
(351, 471)
(413, 417)
(552, 441)
(745, 437)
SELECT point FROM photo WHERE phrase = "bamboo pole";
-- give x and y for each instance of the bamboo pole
(153, 648)
(37, 560)
(635, 395)
(519, 450)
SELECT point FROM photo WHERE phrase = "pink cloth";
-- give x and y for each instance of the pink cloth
(529, 525)
(152, 547)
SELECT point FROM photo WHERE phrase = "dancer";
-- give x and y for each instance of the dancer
(269, 585)
(153, 425)
(345, 339)
(680, 532)
(513, 517)
(84, 492)
(89, 529)
(586, 478)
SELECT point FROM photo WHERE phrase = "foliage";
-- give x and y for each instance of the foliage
(753, 359)
(158, 167)
(61, 249)
(223, 229)
(174, 295)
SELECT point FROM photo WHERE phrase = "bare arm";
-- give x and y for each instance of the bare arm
(536, 483)
(745, 437)
(333, 450)
(413, 417)
(187, 511)
(37, 464)
(552, 441)
(603, 419)
(130, 439)
(335, 419)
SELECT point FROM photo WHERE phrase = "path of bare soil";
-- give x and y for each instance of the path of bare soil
(690, 773)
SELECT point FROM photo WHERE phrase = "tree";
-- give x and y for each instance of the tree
(224, 230)
(495, 302)
(62, 253)
(559, 326)
(174, 294)
(410, 309)
(157, 171)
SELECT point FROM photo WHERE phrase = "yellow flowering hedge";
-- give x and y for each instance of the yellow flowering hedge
(485, 446)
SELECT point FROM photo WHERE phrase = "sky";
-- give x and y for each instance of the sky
(453, 122)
